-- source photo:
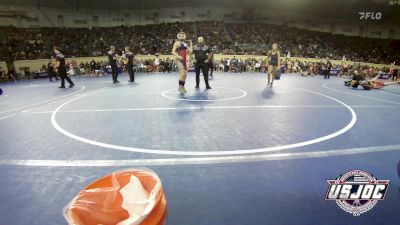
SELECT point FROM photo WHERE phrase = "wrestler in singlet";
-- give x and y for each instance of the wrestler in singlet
(274, 61)
(181, 50)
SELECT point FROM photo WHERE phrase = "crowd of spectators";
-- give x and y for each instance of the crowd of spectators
(340, 69)
(239, 39)
(255, 39)
(215, 35)
(234, 65)
(224, 38)
(23, 44)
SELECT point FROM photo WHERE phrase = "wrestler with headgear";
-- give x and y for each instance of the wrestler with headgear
(181, 49)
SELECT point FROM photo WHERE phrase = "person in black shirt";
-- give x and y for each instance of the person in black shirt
(129, 63)
(168, 65)
(356, 80)
(112, 60)
(92, 67)
(211, 64)
(234, 64)
(328, 67)
(202, 56)
(394, 72)
(50, 71)
(61, 69)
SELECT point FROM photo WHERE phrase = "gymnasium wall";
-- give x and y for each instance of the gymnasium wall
(35, 65)
(20, 16)
(362, 28)
(335, 24)
(356, 29)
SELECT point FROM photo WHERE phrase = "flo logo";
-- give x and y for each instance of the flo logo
(370, 15)
(356, 191)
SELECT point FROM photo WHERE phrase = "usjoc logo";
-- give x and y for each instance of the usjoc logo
(370, 15)
(356, 191)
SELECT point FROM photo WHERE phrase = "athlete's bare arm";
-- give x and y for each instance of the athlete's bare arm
(190, 50)
(278, 56)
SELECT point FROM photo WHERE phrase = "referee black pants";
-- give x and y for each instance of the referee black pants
(327, 74)
(394, 77)
(131, 73)
(63, 75)
(51, 75)
(114, 72)
(211, 68)
(204, 69)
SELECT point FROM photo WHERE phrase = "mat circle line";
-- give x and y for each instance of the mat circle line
(206, 153)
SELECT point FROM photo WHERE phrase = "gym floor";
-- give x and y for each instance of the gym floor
(239, 154)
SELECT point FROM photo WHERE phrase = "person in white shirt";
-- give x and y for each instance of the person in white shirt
(258, 66)
(157, 63)
(71, 71)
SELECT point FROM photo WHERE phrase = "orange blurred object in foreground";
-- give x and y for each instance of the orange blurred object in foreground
(101, 201)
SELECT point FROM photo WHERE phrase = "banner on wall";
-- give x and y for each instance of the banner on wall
(384, 76)
(36, 65)
(108, 69)
(335, 72)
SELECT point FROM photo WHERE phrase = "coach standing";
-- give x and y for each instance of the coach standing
(202, 56)
(328, 67)
(61, 68)
(112, 60)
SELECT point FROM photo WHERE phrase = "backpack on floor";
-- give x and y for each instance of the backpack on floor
(1, 91)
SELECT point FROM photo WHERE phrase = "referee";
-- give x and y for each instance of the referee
(61, 68)
(202, 56)
(328, 67)
(129, 63)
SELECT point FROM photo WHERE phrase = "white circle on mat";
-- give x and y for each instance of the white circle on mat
(349, 125)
